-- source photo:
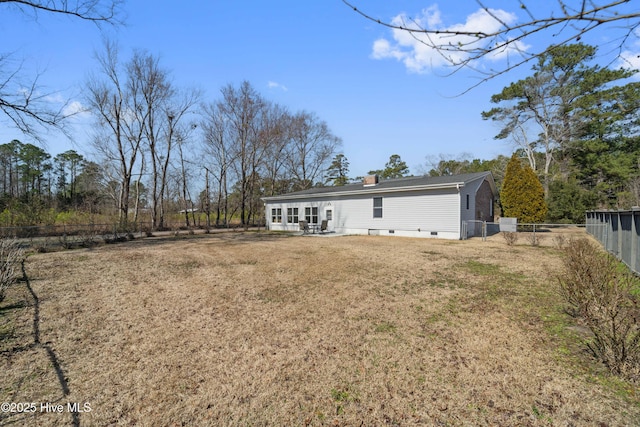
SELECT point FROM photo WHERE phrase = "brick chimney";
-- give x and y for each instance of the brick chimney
(370, 180)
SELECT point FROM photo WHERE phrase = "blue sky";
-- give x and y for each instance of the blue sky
(377, 92)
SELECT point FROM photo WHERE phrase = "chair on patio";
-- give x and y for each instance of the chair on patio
(304, 227)
(323, 225)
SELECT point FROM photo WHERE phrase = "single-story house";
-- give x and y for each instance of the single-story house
(422, 206)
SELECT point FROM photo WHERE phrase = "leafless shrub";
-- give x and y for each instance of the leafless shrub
(114, 238)
(11, 255)
(535, 239)
(600, 290)
(66, 241)
(88, 238)
(510, 237)
(41, 244)
(560, 241)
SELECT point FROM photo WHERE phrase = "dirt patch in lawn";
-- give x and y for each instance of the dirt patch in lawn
(264, 329)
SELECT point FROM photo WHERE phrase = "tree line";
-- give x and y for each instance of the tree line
(154, 141)
(574, 124)
(34, 185)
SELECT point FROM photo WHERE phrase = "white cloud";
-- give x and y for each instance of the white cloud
(630, 58)
(56, 98)
(75, 108)
(275, 85)
(382, 49)
(413, 49)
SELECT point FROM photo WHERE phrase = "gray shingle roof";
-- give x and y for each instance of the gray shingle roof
(386, 185)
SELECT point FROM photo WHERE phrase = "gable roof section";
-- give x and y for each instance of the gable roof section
(389, 185)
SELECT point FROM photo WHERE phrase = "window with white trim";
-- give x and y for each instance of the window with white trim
(311, 215)
(377, 207)
(276, 215)
(292, 215)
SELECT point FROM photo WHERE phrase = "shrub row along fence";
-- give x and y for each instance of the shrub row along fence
(22, 232)
(619, 233)
(45, 237)
(138, 228)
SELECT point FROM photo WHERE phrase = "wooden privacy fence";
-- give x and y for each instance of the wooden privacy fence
(619, 233)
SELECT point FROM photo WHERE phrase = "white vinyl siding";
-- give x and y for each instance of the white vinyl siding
(436, 210)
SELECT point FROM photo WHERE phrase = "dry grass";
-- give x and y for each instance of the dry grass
(261, 329)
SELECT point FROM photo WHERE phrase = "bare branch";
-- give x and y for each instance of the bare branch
(25, 104)
(98, 11)
(462, 47)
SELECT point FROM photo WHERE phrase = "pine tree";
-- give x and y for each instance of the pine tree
(522, 195)
(337, 173)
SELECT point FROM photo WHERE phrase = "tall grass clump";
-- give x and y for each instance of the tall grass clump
(604, 294)
(11, 256)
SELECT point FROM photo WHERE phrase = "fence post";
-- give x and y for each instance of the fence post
(534, 232)
(620, 235)
(633, 239)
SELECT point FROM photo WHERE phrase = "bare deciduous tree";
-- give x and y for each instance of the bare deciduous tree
(219, 153)
(256, 148)
(311, 147)
(119, 136)
(275, 135)
(183, 138)
(139, 112)
(242, 108)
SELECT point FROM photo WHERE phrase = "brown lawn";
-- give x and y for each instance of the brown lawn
(258, 329)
